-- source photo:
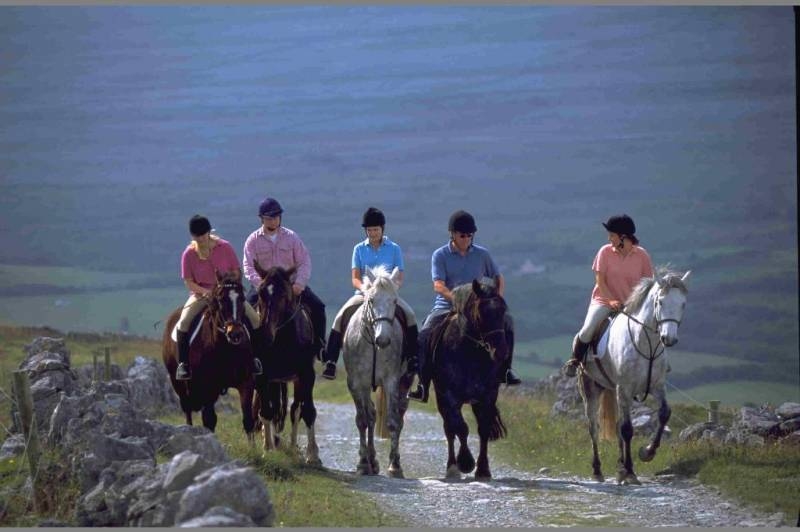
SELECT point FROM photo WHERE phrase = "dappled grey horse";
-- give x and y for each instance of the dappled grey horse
(372, 352)
(634, 365)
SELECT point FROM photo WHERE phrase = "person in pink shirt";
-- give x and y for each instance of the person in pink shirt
(203, 257)
(618, 267)
(275, 245)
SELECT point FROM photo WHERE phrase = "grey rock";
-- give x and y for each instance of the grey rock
(219, 516)
(13, 446)
(788, 410)
(151, 389)
(205, 445)
(183, 469)
(240, 489)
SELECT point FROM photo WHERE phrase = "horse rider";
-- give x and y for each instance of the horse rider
(203, 257)
(455, 263)
(375, 250)
(274, 245)
(618, 267)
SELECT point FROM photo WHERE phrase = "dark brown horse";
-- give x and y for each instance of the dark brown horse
(469, 349)
(219, 358)
(288, 357)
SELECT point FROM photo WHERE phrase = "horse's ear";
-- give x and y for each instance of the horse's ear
(291, 271)
(685, 277)
(219, 275)
(370, 275)
(395, 274)
(477, 288)
(259, 270)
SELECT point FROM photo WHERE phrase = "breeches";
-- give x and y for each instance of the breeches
(594, 316)
(195, 304)
(358, 299)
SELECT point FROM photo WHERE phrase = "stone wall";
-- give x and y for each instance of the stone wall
(105, 433)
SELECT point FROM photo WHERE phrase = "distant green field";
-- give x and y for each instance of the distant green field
(737, 393)
(12, 275)
(95, 311)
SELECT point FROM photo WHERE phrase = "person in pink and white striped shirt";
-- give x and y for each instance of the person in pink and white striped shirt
(275, 245)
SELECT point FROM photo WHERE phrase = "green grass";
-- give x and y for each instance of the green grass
(738, 393)
(68, 277)
(766, 478)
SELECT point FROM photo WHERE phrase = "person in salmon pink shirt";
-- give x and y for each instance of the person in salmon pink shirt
(205, 255)
(618, 267)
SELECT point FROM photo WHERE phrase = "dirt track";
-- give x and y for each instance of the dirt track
(514, 498)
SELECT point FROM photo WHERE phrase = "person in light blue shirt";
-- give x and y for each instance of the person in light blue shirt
(458, 262)
(373, 251)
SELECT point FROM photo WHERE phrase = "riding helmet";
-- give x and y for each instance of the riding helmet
(270, 207)
(462, 222)
(199, 225)
(622, 224)
(373, 217)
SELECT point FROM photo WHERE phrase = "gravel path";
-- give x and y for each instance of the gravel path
(513, 498)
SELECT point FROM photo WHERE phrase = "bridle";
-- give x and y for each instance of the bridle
(368, 323)
(268, 311)
(217, 319)
(482, 341)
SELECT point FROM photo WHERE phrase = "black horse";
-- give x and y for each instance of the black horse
(220, 358)
(288, 356)
(469, 349)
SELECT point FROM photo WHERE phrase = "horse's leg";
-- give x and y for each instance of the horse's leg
(371, 417)
(482, 416)
(294, 416)
(591, 395)
(455, 426)
(308, 413)
(625, 474)
(647, 453)
(209, 417)
(395, 424)
(187, 409)
(246, 403)
(364, 467)
(267, 415)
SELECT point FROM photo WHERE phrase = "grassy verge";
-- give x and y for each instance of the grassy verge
(767, 478)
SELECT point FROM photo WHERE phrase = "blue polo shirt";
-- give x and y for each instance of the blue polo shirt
(449, 266)
(388, 254)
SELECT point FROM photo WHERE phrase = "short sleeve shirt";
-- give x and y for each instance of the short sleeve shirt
(450, 266)
(203, 272)
(622, 274)
(388, 255)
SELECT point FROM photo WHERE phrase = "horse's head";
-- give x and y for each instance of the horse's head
(670, 301)
(486, 311)
(380, 301)
(276, 300)
(227, 306)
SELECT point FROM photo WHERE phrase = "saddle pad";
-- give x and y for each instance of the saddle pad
(602, 345)
(195, 330)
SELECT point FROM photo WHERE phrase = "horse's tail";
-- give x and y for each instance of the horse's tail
(381, 418)
(608, 415)
(281, 404)
(498, 429)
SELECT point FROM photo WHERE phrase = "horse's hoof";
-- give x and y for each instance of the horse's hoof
(363, 469)
(395, 472)
(599, 478)
(483, 477)
(314, 462)
(645, 455)
(375, 469)
(453, 472)
(632, 479)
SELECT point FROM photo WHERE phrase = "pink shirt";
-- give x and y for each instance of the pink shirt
(621, 274)
(203, 272)
(287, 251)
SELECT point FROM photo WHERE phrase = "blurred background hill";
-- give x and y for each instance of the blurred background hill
(119, 123)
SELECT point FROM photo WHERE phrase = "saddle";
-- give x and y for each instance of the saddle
(600, 337)
(194, 328)
(303, 327)
(399, 315)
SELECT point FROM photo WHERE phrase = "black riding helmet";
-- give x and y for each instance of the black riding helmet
(373, 217)
(461, 222)
(199, 225)
(622, 224)
(270, 207)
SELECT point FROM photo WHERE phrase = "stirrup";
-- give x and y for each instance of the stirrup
(511, 379)
(420, 394)
(258, 369)
(570, 368)
(330, 371)
(182, 373)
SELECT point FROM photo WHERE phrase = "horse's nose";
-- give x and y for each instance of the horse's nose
(668, 341)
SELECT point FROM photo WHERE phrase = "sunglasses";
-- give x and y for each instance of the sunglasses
(465, 235)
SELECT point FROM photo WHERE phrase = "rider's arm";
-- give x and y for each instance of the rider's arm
(196, 288)
(600, 280)
(440, 288)
(248, 259)
(399, 278)
(356, 278)
(501, 284)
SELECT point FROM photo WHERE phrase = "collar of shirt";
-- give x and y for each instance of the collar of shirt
(453, 249)
(263, 233)
(383, 241)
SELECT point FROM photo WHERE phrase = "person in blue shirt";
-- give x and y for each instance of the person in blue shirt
(375, 250)
(457, 262)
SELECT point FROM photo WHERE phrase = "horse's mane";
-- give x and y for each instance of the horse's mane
(669, 279)
(463, 294)
(383, 280)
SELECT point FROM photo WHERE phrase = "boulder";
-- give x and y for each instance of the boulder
(788, 411)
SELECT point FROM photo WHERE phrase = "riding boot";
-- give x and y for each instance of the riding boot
(507, 375)
(183, 373)
(331, 354)
(421, 392)
(570, 369)
(257, 343)
(410, 347)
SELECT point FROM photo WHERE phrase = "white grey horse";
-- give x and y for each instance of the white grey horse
(372, 351)
(634, 364)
